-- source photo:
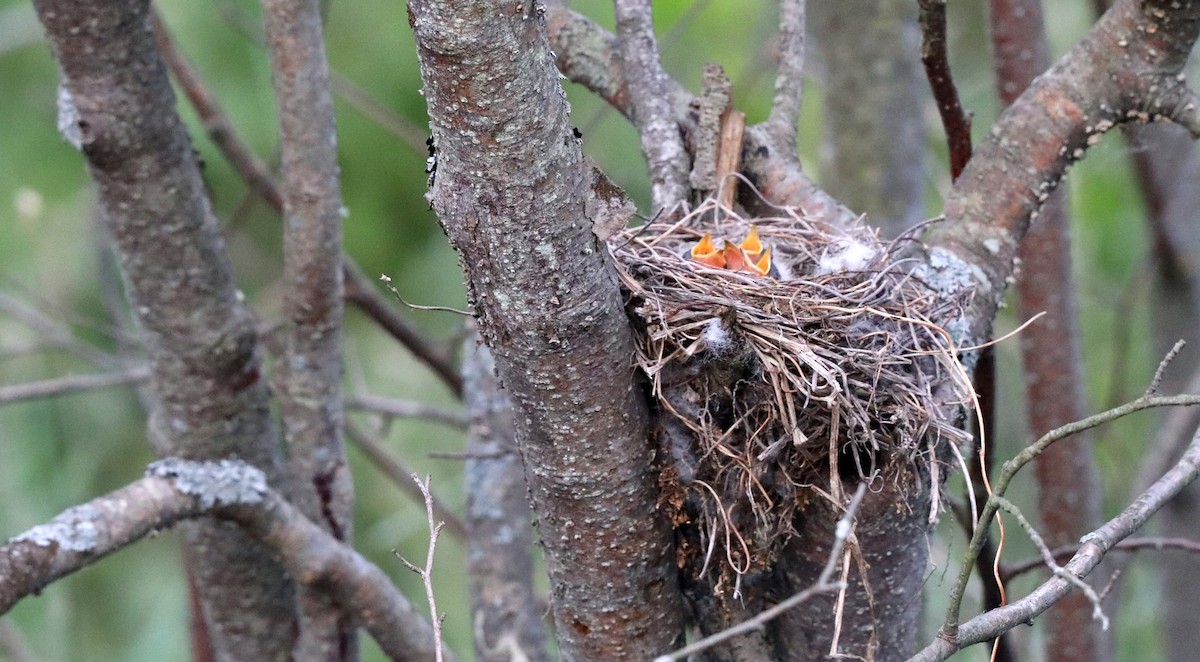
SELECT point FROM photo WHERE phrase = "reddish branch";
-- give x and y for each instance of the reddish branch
(175, 490)
(118, 108)
(510, 191)
(1068, 490)
(1126, 69)
(955, 120)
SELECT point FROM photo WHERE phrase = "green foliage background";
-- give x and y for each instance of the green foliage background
(59, 452)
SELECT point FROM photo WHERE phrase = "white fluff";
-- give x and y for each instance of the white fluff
(716, 338)
(846, 255)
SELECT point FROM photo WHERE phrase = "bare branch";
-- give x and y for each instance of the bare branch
(1092, 549)
(955, 120)
(1128, 545)
(1048, 559)
(507, 612)
(550, 310)
(413, 135)
(1069, 494)
(174, 490)
(358, 289)
(361, 291)
(117, 107)
(950, 628)
(662, 144)
(52, 388)
(587, 55)
(309, 374)
(394, 408)
(216, 123)
(426, 572)
(789, 81)
(400, 475)
(54, 333)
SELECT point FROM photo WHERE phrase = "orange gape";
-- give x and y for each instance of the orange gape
(749, 256)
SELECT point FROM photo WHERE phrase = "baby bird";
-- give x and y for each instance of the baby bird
(749, 256)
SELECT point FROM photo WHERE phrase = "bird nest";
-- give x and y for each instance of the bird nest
(777, 388)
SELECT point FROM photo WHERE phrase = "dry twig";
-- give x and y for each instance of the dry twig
(426, 572)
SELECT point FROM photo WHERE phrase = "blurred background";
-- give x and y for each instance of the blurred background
(57, 291)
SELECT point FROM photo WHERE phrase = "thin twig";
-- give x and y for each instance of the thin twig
(51, 388)
(1130, 545)
(1048, 559)
(399, 475)
(426, 573)
(822, 585)
(1162, 367)
(394, 408)
(950, 627)
(955, 120)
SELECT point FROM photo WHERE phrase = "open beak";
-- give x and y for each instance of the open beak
(705, 252)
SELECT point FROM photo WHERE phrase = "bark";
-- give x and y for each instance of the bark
(510, 191)
(1069, 494)
(648, 87)
(309, 374)
(875, 137)
(117, 107)
(1168, 166)
(505, 610)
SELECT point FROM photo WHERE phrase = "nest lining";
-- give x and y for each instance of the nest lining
(777, 387)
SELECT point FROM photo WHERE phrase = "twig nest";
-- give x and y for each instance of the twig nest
(776, 388)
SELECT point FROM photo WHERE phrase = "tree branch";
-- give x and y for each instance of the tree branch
(587, 55)
(955, 120)
(649, 89)
(309, 374)
(393, 408)
(358, 289)
(1126, 69)
(1130, 545)
(550, 310)
(507, 613)
(117, 107)
(950, 626)
(401, 477)
(174, 490)
(52, 388)
(1069, 496)
(1092, 549)
(789, 81)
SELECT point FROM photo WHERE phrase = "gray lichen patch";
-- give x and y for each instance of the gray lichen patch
(73, 530)
(219, 483)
